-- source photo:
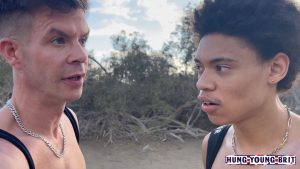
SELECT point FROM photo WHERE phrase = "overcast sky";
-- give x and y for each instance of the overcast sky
(156, 19)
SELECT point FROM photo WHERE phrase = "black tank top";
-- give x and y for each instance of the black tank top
(214, 143)
(15, 141)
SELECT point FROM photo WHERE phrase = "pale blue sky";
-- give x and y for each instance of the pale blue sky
(156, 19)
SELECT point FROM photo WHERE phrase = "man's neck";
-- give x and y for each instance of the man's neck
(39, 114)
(263, 131)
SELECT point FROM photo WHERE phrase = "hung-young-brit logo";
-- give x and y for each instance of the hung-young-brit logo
(260, 160)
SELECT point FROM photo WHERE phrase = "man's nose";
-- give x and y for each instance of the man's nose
(79, 54)
(205, 82)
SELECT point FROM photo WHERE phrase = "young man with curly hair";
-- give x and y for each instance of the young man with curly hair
(249, 53)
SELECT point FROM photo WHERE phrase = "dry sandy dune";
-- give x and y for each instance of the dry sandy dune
(146, 155)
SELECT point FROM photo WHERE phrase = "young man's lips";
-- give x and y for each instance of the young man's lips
(209, 108)
(208, 105)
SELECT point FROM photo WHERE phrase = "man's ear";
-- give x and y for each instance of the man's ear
(9, 50)
(279, 66)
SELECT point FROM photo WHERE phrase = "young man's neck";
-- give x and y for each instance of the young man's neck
(264, 130)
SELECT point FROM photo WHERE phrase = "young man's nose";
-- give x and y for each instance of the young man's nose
(205, 82)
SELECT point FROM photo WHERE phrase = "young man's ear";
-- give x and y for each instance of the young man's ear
(279, 66)
(8, 50)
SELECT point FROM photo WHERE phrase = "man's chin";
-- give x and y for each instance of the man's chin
(218, 120)
(74, 97)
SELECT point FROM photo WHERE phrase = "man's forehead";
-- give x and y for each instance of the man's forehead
(71, 21)
(45, 12)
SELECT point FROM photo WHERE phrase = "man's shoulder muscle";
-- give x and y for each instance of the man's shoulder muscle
(11, 160)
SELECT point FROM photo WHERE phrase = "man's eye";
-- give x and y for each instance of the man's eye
(199, 69)
(83, 41)
(58, 41)
(222, 68)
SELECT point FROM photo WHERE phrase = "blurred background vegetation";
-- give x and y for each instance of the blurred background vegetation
(137, 92)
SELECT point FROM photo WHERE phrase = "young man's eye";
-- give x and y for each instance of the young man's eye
(58, 41)
(199, 68)
(222, 68)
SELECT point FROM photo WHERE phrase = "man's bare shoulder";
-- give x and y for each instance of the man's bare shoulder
(7, 161)
(8, 156)
(8, 152)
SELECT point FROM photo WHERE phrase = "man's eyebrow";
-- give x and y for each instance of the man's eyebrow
(221, 59)
(56, 31)
(87, 33)
(62, 33)
(217, 59)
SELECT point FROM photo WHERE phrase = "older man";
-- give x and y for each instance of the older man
(44, 42)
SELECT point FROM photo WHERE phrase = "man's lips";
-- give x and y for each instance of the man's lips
(209, 105)
(75, 80)
(77, 76)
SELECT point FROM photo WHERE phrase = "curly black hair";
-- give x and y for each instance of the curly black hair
(268, 26)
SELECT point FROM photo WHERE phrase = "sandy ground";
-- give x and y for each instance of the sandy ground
(146, 155)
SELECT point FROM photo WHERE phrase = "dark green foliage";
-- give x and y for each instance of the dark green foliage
(183, 41)
(139, 85)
